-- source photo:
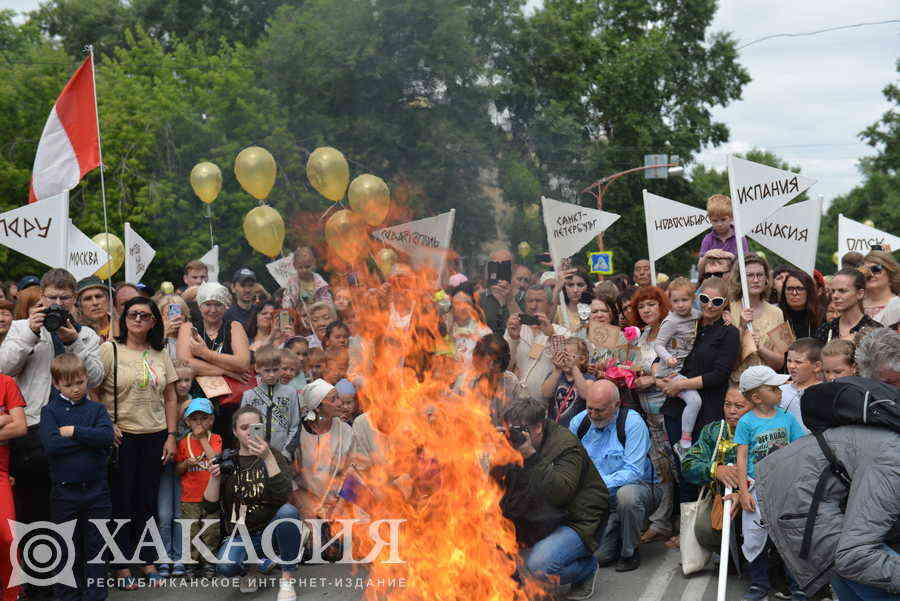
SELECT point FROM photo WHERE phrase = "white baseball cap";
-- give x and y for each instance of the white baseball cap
(759, 375)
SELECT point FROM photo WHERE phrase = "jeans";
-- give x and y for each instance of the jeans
(168, 504)
(630, 507)
(847, 590)
(687, 492)
(561, 557)
(286, 542)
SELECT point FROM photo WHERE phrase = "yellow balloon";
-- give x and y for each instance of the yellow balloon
(524, 249)
(869, 222)
(112, 245)
(264, 230)
(167, 288)
(836, 258)
(345, 232)
(385, 260)
(661, 277)
(255, 170)
(370, 198)
(328, 172)
(206, 180)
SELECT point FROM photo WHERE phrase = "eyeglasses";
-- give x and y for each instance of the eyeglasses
(717, 301)
(756, 276)
(795, 290)
(139, 316)
(876, 269)
(712, 274)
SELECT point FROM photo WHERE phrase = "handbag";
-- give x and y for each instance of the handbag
(706, 530)
(113, 463)
(694, 556)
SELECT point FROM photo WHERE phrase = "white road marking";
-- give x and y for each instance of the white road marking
(696, 587)
(659, 582)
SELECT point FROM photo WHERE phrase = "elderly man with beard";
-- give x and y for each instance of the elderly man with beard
(618, 444)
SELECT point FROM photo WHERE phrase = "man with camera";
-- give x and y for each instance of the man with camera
(530, 346)
(556, 499)
(26, 354)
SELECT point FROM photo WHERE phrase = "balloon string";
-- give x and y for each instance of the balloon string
(329, 209)
(212, 241)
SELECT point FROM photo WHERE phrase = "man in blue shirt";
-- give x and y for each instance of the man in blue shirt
(625, 468)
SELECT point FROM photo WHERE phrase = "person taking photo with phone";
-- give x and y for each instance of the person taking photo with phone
(530, 345)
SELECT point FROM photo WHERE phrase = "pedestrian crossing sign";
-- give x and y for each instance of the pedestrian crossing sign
(601, 263)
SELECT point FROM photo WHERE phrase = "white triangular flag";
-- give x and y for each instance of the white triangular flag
(758, 190)
(670, 224)
(138, 255)
(84, 257)
(426, 241)
(38, 230)
(792, 232)
(859, 237)
(211, 260)
(570, 227)
(282, 270)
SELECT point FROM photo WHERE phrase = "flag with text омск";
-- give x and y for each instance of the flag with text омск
(859, 237)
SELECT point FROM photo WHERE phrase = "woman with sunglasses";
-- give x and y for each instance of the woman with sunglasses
(139, 393)
(759, 319)
(882, 285)
(707, 368)
(848, 289)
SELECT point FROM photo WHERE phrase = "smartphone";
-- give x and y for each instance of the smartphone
(528, 320)
(876, 247)
(173, 311)
(285, 320)
(499, 271)
(258, 431)
(556, 344)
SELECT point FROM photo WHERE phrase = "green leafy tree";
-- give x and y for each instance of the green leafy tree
(590, 88)
(878, 198)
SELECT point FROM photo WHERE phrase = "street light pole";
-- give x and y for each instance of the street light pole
(601, 186)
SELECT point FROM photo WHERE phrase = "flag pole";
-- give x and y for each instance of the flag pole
(738, 233)
(212, 241)
(102, 180)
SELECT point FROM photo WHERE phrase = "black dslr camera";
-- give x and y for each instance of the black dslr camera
(517, 435)
(226, 461)
(56, 317)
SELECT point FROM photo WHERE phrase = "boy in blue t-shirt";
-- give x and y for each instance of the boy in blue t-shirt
(760, 432)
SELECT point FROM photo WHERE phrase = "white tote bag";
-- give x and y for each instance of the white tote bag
(693, 556)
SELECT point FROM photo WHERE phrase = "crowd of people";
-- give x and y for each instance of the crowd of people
(234, 403)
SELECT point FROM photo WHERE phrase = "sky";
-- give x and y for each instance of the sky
(810, 96)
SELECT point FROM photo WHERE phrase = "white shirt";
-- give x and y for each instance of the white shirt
(531, 356)
(790, 402)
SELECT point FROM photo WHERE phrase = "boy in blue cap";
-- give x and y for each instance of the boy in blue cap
(196, 452)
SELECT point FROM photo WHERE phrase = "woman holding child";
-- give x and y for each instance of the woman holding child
(139, 393)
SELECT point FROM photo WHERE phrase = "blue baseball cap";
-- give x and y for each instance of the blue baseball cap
(201, 405)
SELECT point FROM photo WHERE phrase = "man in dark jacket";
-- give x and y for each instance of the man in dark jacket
(556, 499)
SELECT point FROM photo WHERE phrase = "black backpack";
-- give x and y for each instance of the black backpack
(585, 425)
(845, 402)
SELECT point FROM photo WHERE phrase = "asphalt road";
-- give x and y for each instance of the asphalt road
(658, 579)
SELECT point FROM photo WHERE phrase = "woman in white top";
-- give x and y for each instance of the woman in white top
(882, 284)
(323, 452)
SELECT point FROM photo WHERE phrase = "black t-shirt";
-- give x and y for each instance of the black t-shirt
(236, 313)
(831, 329)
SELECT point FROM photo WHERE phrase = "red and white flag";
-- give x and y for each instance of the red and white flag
(69, 146)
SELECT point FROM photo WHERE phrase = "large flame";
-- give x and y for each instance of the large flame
(436, 452)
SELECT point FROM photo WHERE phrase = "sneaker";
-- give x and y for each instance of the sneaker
(755, 593)
(249, 583)
(584, 589)
(628, 564)
(266, 566)
(605, 563)
(286, 590)
(782, 595)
